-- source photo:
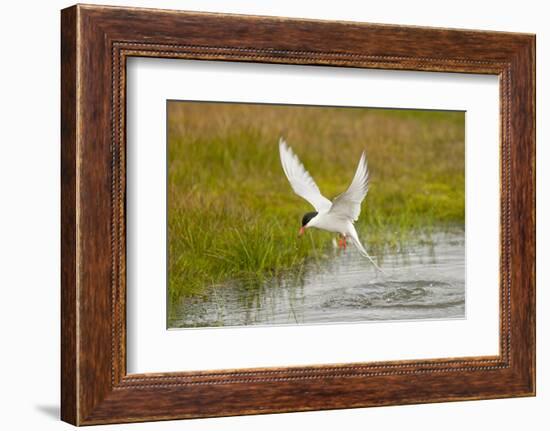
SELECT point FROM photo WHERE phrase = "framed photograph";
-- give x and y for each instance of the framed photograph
(266, 215)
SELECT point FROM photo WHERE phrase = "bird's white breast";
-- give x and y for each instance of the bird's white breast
(328, 222)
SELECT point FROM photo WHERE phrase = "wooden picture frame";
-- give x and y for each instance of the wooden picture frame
(95, 43)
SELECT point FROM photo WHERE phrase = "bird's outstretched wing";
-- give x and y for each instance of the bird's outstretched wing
(348, 204)
(300, 180)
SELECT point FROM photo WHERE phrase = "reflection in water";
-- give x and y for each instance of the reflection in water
(424, 282)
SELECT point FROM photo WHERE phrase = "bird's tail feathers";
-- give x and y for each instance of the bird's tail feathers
(364, 253)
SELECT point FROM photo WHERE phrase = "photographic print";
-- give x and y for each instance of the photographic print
(286, 214)
(220, 185)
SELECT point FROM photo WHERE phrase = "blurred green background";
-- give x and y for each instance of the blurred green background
(232, 213)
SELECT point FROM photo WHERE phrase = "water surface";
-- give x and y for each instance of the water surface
(421, 281)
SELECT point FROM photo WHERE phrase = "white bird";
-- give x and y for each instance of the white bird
(337, 216)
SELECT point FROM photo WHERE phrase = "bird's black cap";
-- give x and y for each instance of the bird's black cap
(307, 217)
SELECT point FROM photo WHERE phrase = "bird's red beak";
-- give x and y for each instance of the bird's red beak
(301, 231)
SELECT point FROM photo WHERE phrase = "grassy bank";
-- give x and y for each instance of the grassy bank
(231, 212)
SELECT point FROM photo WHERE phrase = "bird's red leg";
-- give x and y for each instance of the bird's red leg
(344, 242)
(340, 242)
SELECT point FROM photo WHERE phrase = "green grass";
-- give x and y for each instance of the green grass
(232, 214)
